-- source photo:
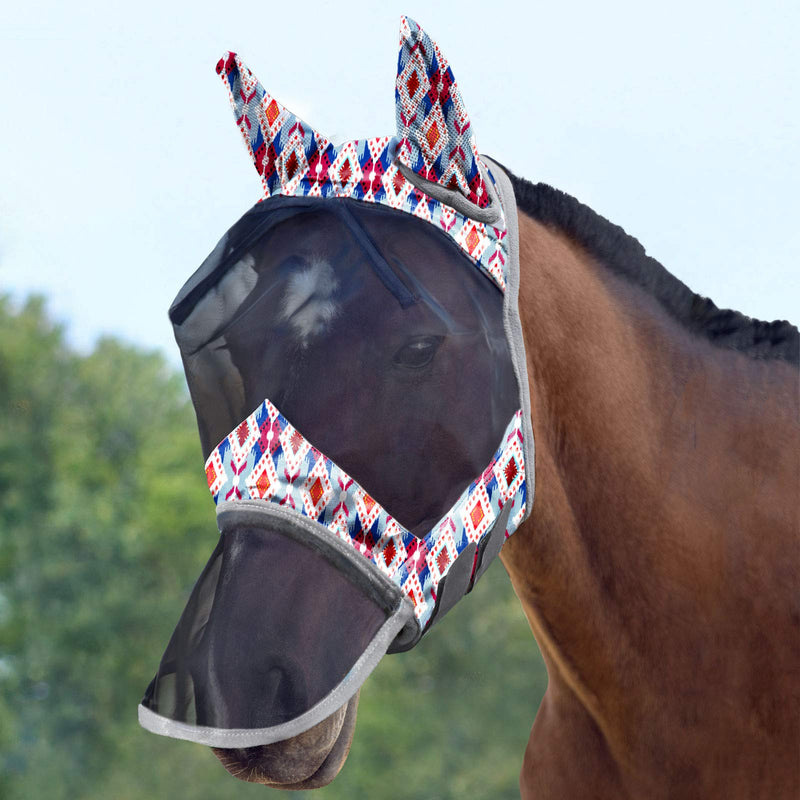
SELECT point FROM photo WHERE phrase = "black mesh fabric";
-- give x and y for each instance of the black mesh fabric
(270, 629)
(383, 344)
(371, 332)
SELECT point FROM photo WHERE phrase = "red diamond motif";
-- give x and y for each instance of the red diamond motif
(345, 172)
(510, 471)
(412, 84)
(291, 165)
(272, 112)
(442, 560)
(211, 475)
(473, 240)
(241, 433)
(262, 484)
(398, 182)
(476, 515)
(316, 492)
(389, 552)
(433, 135)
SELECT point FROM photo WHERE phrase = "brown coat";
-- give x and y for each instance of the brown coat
(660, 569)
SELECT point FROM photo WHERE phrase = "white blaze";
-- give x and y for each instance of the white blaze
(308, 303)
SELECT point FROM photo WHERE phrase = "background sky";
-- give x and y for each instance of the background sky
(121, 165)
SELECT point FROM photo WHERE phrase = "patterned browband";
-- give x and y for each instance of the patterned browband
(434, 146)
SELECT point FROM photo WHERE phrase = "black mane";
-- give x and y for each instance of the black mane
(624, 255)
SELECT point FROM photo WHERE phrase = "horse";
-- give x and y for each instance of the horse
(660, 565)
(399, 299)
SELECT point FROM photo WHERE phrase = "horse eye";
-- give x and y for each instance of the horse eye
(418, 352)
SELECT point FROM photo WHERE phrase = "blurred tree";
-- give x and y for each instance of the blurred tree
(105, 522)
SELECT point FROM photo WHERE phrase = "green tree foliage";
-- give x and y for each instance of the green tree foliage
(105, 522)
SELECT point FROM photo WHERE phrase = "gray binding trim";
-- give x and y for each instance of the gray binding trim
(492, 544)
(455, 584)
(514, 327)
(250, 737)
(315, 535)
(491, 214)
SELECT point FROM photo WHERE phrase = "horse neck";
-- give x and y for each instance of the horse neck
(648, 454)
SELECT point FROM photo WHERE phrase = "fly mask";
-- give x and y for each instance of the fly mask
(354, 355)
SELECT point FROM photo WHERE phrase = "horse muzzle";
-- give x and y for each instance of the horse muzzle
(282, 628)
(307, 761)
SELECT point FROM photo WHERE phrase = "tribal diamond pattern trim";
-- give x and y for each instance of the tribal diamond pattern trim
(267, 458)
(434, 139)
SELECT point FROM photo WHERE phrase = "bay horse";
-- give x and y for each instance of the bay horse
(660, 568)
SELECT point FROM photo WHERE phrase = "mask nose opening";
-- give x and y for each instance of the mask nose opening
(280, 631)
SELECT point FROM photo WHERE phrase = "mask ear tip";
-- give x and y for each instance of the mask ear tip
(438, 141)
(223, 65)
(230, 67)
(275, 138)
(408, 26)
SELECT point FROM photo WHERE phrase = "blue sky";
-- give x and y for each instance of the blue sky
(121, 166)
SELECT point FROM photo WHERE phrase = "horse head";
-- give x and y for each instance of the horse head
(354, 357)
